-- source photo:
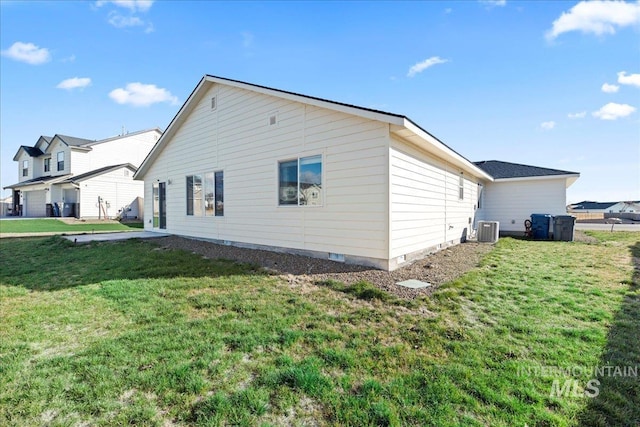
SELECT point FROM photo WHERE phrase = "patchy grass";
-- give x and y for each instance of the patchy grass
(57, 226)
(128, 333)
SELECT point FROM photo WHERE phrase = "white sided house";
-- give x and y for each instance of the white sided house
(69, 176)
(253, 166)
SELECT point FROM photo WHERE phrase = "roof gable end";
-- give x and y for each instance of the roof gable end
(398, 121)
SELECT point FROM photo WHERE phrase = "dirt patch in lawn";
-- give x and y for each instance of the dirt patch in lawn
(437, 268)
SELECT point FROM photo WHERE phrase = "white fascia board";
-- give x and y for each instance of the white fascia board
(445, 152)
(539, 178)
(316, 102)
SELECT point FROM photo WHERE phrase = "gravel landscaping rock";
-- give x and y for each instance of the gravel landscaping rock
(437, 268)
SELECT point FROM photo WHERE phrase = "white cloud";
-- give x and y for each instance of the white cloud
(631, 79)
(613, 111)
(580, 115)
(132, 5)
(71, 58)
(421, 66)
(607, 88)
(121, 21)
(74, 82)
(493, 3)
(597, 17)
(28, 52)
(142, 95)
(548, 125)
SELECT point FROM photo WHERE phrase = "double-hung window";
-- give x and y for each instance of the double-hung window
(205, 194)
(60, 159)
(300, 181)
(25, 168)
(47, 164)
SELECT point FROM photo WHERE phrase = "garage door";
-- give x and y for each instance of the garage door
(36, 203)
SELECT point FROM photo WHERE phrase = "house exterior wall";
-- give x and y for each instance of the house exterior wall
(512, 202)
(24, 156)
(54, 149)
(126, 149)
(425, 206)
(80, 161)
(236, 138)
(116, 188)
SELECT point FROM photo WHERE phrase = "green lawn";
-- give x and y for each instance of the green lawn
(57, 226)
(125, 333)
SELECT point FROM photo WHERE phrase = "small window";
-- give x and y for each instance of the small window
(25, 168)
(126, 172)
(47, 165)
(480, 193)
(461, 187)
(214, 102)
(60, 159)
(300, 181)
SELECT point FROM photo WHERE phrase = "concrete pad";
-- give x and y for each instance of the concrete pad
(108, 237)
(414, 284)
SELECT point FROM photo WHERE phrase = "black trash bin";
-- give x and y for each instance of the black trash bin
(563, 226)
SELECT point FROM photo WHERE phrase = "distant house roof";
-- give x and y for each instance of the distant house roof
(503, 170)
(32, 151)
(72, 141)
(36, 181)
(100, 171)
(588, 205)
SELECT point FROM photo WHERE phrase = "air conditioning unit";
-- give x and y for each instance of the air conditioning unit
(488, 231)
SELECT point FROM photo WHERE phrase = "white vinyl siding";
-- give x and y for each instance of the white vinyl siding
(512, 202)
(426, 209)
(236, 138)
(115, 189)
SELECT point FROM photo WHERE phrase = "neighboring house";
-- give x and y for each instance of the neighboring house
(253, 166)
(605, 207)
(6, 206)
(69, 176)
(517, 191)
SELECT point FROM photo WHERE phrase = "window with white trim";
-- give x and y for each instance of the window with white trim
(47, 164)
(205, 196)
(300, 181)
(461, 187)
(60, 159)
(25, 168)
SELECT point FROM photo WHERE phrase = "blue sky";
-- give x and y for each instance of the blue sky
(554, 84)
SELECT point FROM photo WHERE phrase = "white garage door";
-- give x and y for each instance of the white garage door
(36, 203)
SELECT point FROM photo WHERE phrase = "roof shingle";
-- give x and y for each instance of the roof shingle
(501, 170)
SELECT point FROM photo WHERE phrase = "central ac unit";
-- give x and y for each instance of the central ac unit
(488, 231)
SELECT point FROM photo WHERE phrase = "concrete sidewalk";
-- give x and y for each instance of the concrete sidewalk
(108, 237)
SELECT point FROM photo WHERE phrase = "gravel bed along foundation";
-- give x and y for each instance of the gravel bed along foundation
(437, 268)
